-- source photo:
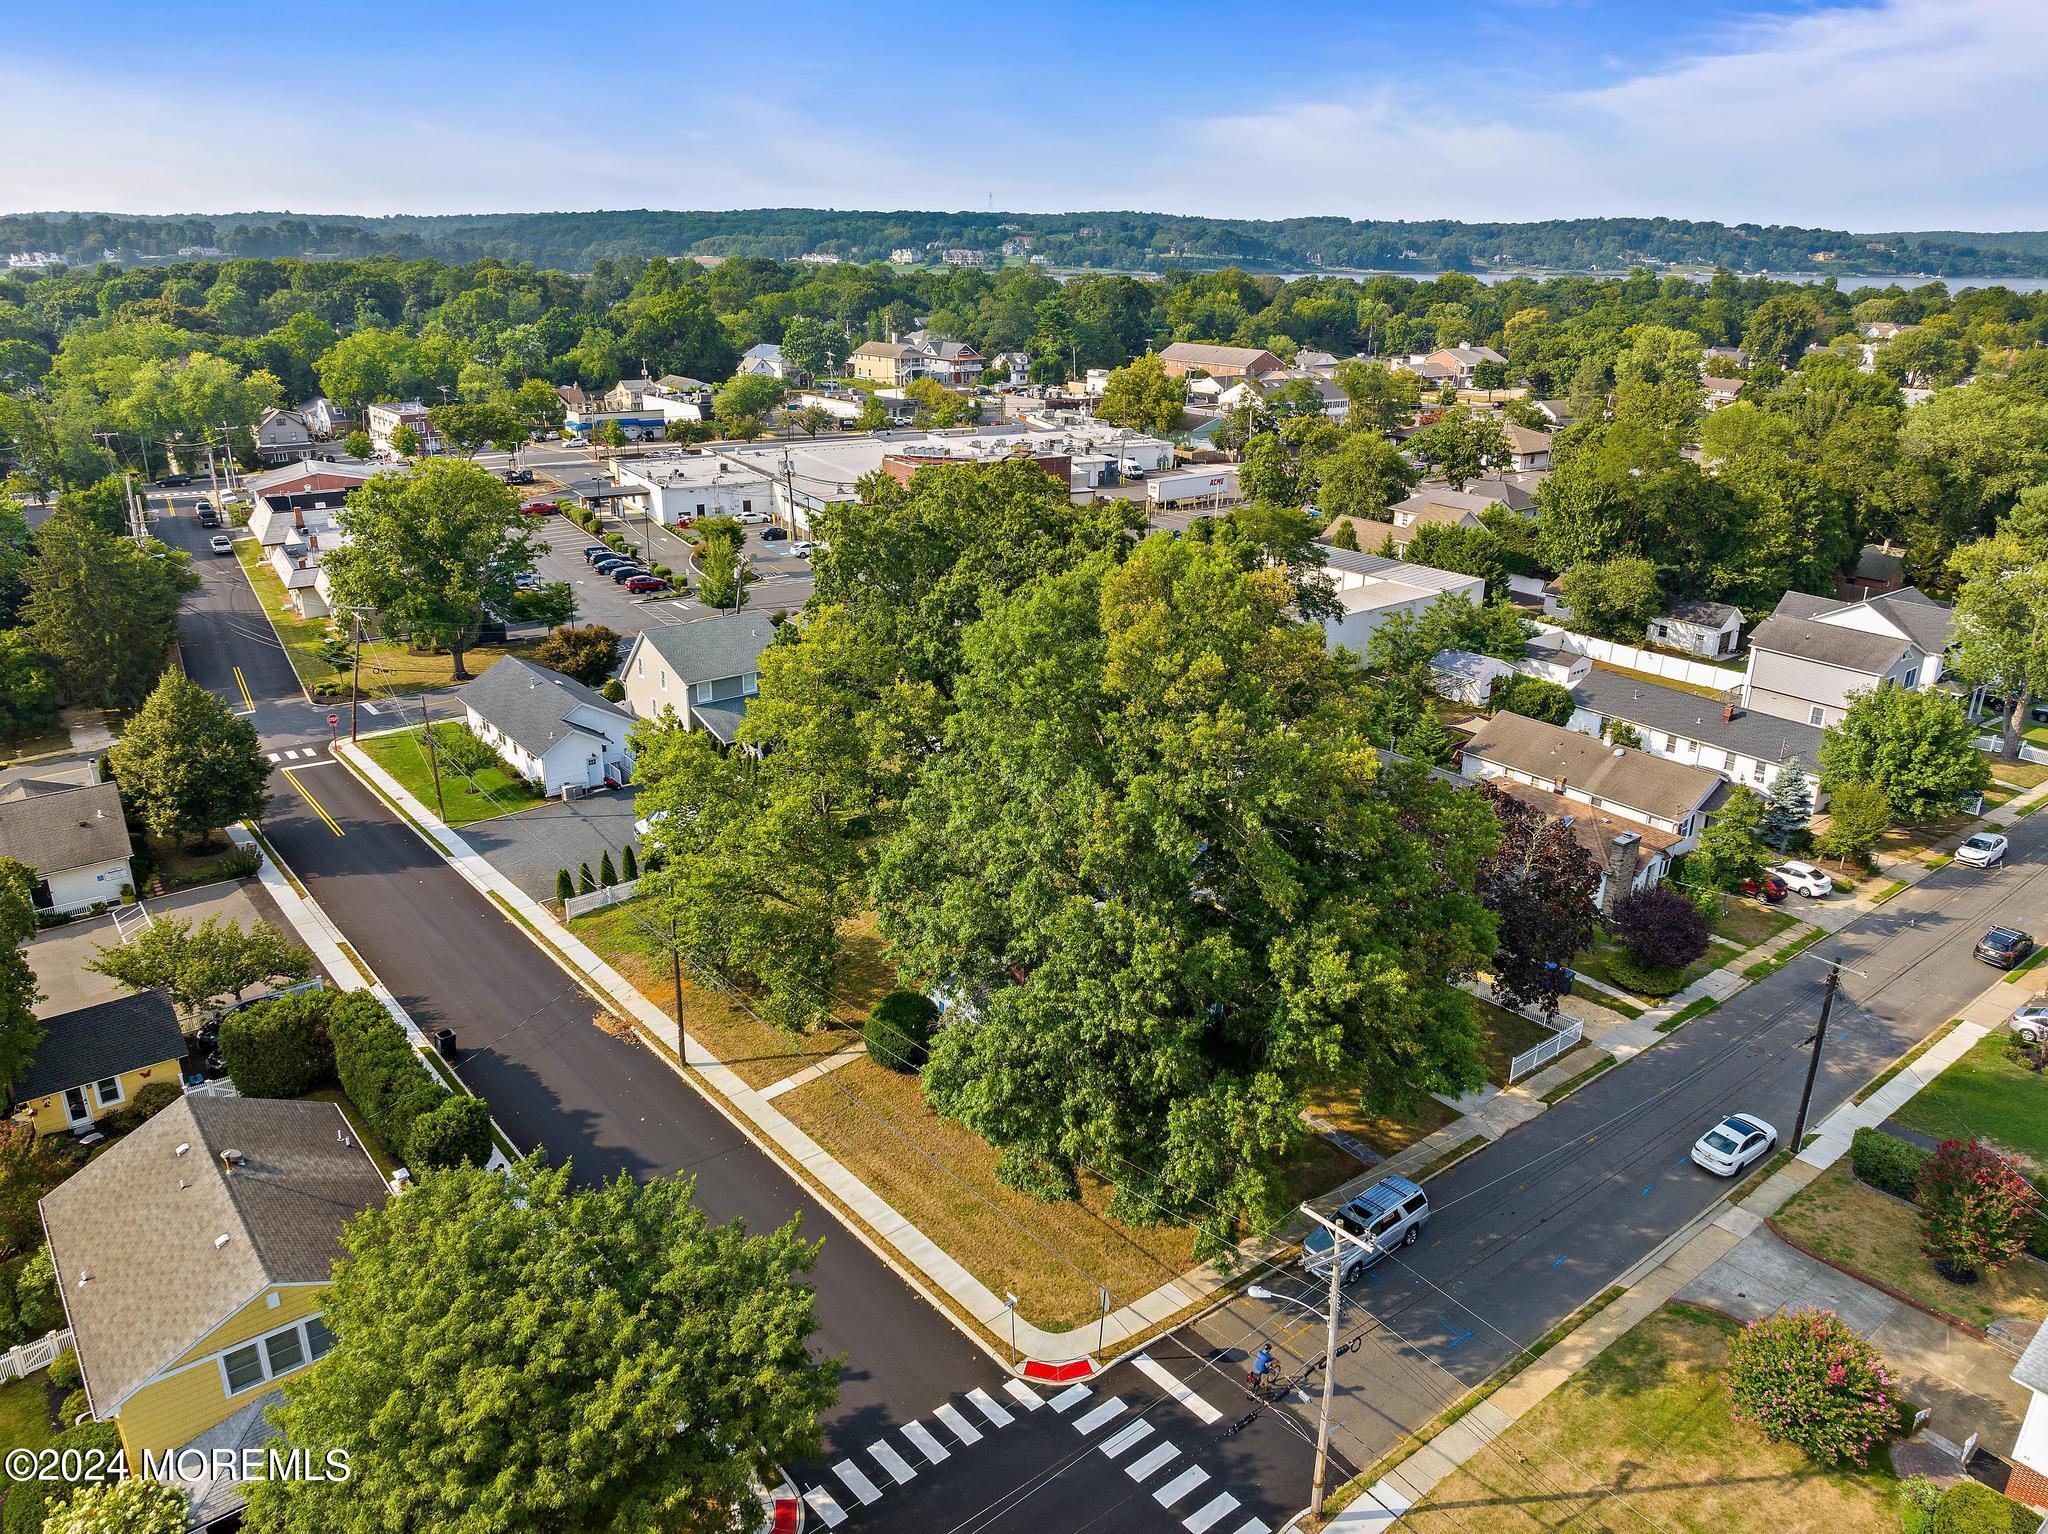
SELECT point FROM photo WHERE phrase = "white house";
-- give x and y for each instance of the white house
(2029, 1480)
(555, 732)
(1466, 677)
(763, 361)
(383, 419)
(1742, 745)
(698, 674)
(1813, 653)
(1548, 659)
(71, 837)
(1706, 629)
(282, 435)
(322, 417)
(1370, 589)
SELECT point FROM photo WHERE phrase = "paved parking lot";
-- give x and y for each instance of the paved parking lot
(783, 582)
(529, 847)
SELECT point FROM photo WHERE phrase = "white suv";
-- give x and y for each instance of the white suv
(1804, 879)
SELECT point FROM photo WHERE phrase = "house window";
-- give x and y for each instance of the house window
(746, 506)
(1671, 743)
(640, 666)
(1757, 771)
(664, 679)
(108, 1091)
(1814, 714)
(279, 1352)
(1912, 679)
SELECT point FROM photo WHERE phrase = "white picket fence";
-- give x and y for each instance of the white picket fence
(2028, 753)
(18, 1363)
(1673, 667)
(598, 899)
(1535, 1059)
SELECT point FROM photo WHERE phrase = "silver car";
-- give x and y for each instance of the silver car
(2030, 1019)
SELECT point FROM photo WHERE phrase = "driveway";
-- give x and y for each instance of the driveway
(528, 847)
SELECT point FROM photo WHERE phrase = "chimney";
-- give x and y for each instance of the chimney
(1727, 713)
(1624, 856)
(229, 1160)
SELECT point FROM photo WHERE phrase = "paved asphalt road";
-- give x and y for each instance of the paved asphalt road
(1523, 1232)
(556, 1081)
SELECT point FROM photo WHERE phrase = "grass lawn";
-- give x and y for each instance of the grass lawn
(1642, 1440)
(1987, 1096)
(1385, 1131)
(757, 1053)
(2021, 775)
(1746, 923)
(25, 1414)
(1670, 681)
(493, 791)
(1502, 1036)
(1597, 957)
(354, 1115)
(56, 738)
(388, 666)
(181, 867)
(1863, 1229)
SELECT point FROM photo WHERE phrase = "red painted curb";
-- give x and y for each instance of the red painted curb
(1056, 1374)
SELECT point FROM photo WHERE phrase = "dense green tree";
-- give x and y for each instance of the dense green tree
(741, 407)
(1781, 328)
(357, 444)
(136, 1505)
(1461, 445)
(1731, 848)
(188, 764)
(1267, 474)
(1362, 477)
(2001, 624)
(1859, 814)
(1918, 746)
(1141, 396)
(1614, 598)
(405, 442)
(1157, 802)
(668, 1357)
(588, 654)
(470, 428)
(102, 609)
(17, 545)
(434, 551)
(1467, 550)
(20, 1032)
(812, 348)
(1790, 805)
(195, 964)
(28, 689)
(1534, 698)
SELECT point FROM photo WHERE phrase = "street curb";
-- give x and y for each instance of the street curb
(1771, 1224)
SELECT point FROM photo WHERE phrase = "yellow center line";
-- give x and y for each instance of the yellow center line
(318, 808)
(243, 683)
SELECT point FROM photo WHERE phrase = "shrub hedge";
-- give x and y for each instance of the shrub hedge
(1631, 974)
(1886, 1162)
(458, 1130)
(405, 1104)
(899, 1030)
(279, 1048)
(29, 1306)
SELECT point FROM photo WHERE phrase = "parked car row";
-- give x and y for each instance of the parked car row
(624, 570)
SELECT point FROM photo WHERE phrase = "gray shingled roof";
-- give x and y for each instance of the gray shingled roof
(530, 704)
(1928, 623)
(1830, 644)
(136, 1235)
(1204, 354)
(52, 828)
(711, 649)
(96, 1042)
(1698, 610)
(2032, 1369)
(722, 719)
(1672, 711)
(1617, 774)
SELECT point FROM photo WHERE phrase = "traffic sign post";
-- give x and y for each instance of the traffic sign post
(333, 721)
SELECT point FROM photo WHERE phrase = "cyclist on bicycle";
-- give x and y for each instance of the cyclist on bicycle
(1262, 1367)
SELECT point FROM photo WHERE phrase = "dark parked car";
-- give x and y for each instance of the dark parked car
(208, 516)
(1770, 889)
(2003, 947)
(519, 476)
(593, 552)
(174, 481)
(624, 573)
(610, 563)
(774, 535)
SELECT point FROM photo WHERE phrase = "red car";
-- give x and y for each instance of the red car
(1770, 888)
(536, 508)
(640, 583)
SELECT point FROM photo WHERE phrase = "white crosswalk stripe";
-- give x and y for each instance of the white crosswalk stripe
(1180, 1486)
(1106, 1412)
(1255, 1526)
(1204, 1518)
(828, 1510)
(1073, 1395)
(1023, 1394)
(1164, 1378)
(856, 1482)
(1150, 1461)
(921, 1435)
(987, 1405)
(963, 1430)
(273, 756)
(1125, 1436)
(891, 1461)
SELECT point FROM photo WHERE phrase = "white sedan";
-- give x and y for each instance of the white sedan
(1733, 1144)
(1804, 879)
(1986, 849)
(750, 518)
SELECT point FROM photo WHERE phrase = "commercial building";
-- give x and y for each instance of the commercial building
(1184, 357)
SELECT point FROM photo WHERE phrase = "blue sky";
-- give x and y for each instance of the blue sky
(1869, 114)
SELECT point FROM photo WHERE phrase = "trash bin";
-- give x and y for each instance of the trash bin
(444, 1042)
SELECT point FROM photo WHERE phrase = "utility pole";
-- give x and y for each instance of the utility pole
(355, 681)
(1820, 1038)
(434, 761)
(1338, 1236)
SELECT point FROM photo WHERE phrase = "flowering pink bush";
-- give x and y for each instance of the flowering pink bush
(1976, 1208)
(1807, 1379)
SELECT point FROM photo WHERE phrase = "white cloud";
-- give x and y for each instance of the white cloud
(1903, 114)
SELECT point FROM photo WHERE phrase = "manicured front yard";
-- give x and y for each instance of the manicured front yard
(1386, 1131)
(1502, 1036)
(1642, 1439)
(1986, 1096)
(1879, 1236)
(25, 1414)
(1746, 923)
(2021, 775)
(467, 797)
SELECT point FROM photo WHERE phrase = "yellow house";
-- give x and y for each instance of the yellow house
(93, 1061)
(192, 1258)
